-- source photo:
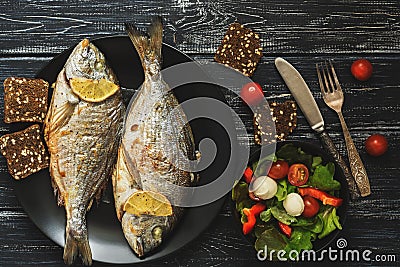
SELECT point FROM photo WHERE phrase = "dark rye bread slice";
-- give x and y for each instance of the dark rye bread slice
(25, 100)
(284, 115)
(24, 151)
(240, 49)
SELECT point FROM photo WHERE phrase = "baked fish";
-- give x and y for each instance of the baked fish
(156, 150)
(82, 131)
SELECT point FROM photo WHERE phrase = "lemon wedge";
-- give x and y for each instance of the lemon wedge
(148, 202)
(93, 90)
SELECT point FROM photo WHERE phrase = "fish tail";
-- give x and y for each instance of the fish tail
(77, 245)
(148, 45)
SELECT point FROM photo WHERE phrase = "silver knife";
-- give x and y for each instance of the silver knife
(309, 107)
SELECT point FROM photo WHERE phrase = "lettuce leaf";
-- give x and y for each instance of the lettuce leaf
(261, 227)
(281, 215)
(266, 215)
(293, 154)
(316, 161)
(330, 221)
(299, 240)
(282, 189)
(323, 178)
(316, 227)
(271, 238)
(315, 224)
(240, 194)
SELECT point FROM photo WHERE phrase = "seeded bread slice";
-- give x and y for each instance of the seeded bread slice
(25, 100)
(24, 151)
(284, 115)
(240, 49)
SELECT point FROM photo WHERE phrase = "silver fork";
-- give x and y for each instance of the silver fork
(333, 96)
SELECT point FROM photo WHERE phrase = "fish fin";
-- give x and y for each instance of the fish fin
(57, 192)
(148, 45)
(120, 173)
(73, 246)
(57, 116)
(56, 176)
(156, 35)
(101, 191)
(90, 205)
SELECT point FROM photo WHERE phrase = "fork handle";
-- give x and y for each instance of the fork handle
(356, 164)
(331, 148)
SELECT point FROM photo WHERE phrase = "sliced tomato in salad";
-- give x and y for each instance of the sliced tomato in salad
(298, 174)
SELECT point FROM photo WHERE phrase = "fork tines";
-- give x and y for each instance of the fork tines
(328, 71)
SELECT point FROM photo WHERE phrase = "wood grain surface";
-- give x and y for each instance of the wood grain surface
(304, 32)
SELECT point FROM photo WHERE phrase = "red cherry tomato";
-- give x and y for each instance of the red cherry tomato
(279, 169)
(361, 69)
(252, 93)
(376, 145)
(311, 207)
(298, 174)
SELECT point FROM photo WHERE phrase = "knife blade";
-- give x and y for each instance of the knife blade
(302, 94)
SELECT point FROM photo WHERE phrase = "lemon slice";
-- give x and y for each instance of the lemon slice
(93, 90)
(148, 202)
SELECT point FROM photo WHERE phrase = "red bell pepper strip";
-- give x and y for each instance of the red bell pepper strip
(248, 174)
(257, 209)
(286, 229)
(321, 195)
(251, 214)
(251, 221)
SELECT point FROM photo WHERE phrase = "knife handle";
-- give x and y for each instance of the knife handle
(330, 146)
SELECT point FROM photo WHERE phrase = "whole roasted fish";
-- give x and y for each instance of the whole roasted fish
(83, 139)
(156, 148)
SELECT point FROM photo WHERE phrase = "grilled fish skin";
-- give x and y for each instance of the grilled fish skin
(156, 141)
(83, 139)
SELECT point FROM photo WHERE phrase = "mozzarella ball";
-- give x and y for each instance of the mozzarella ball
(264, 187)
(294, 204)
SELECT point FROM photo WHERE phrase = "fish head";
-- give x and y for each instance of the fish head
(144, 233)
(87, 61)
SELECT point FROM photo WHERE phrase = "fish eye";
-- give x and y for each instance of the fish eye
(84, 52)
(157, 232)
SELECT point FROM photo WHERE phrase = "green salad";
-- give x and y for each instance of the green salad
(292, 205)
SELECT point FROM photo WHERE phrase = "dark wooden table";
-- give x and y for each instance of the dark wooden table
(32, 32)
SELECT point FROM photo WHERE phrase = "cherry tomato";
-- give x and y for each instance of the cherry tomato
(376, 145)
(361, 69)
(252, 93)
(279, 169)
(298, 174)
(311, 207)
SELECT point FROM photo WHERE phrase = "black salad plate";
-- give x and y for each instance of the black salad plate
(314, 150)
(105, 234)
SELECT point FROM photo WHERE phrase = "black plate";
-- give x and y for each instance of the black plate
(105, 235)
(314, 150)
